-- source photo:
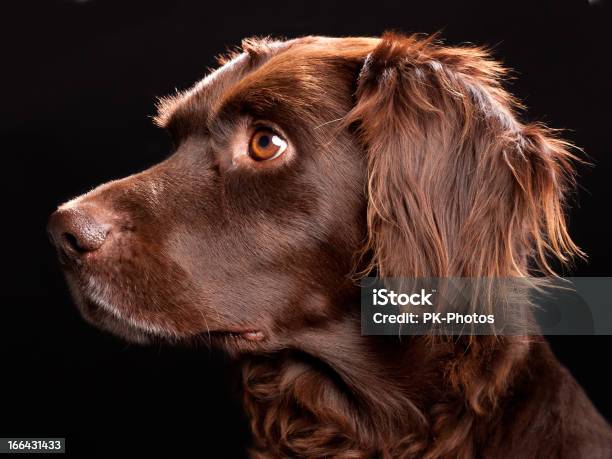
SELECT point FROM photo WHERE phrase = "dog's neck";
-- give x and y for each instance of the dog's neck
(385, 373)
(338, 381)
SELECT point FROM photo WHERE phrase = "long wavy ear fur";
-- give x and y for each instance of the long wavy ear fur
(457, 186)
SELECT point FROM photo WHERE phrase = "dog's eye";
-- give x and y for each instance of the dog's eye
(265, 144)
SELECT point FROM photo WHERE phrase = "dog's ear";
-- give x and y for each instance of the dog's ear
(457, 186)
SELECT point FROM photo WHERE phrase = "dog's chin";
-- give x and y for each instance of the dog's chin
(100, 318)
(103, 315)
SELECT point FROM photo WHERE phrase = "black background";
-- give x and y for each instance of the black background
(78, 86)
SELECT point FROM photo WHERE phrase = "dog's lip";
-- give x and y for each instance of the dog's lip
(249, 334)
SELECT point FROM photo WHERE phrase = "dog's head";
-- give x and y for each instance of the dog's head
(297, 162)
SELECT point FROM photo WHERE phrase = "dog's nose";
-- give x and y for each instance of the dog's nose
(78, 230)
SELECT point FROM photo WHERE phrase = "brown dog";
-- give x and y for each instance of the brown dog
(300, 163)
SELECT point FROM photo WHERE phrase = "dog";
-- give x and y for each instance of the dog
(299, 166)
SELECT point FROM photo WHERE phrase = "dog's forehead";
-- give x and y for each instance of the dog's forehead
(203, 96)
(261, 63)
(252, 55)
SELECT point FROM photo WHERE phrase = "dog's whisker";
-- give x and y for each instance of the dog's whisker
(328, 122)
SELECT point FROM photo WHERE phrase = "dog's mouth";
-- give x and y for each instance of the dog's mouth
(100, 312)
(145, 333)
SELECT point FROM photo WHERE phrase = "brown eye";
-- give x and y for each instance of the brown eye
(265, 144)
